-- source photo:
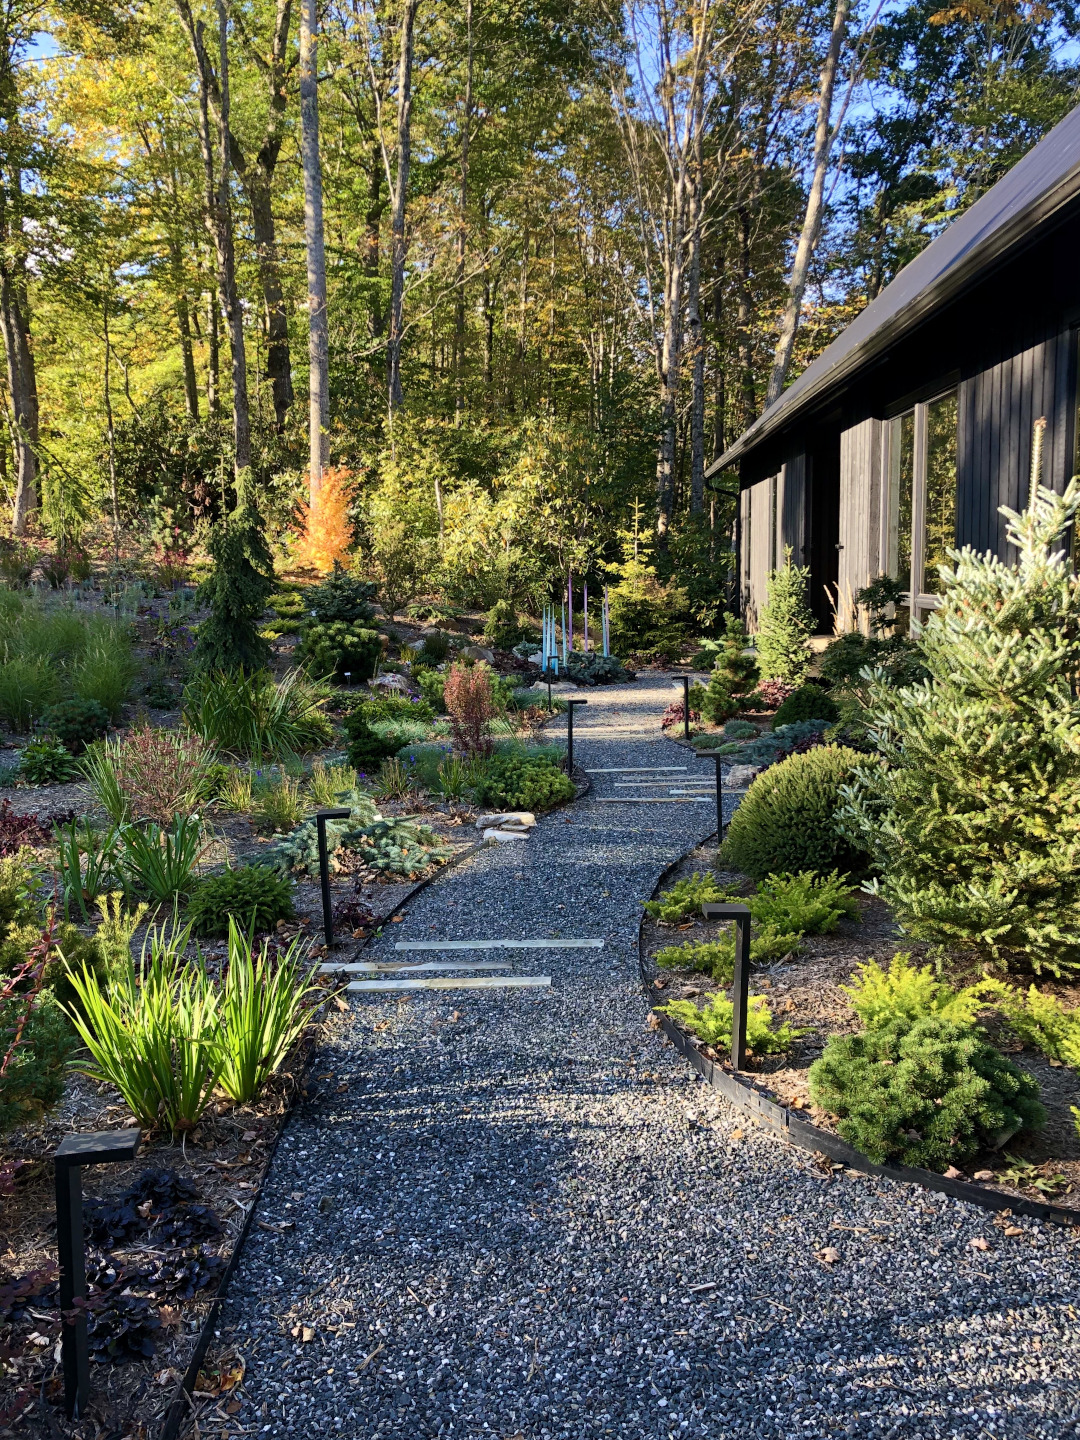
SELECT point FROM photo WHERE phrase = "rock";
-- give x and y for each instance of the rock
(739, 777)
(511, 820)
(501, 835)
(392, 682)
(477, 652)
(558, 687)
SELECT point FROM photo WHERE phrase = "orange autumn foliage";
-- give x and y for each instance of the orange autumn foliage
(325, 535)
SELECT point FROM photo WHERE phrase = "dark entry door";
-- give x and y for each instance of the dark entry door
(823, 529)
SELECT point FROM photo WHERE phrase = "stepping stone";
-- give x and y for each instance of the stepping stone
(406, 967)
(637, 770)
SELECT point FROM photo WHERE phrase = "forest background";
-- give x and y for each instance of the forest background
(508, 274)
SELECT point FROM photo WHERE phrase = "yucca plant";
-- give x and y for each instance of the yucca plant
(265, 1005)
(155, 1034)
(158, 862)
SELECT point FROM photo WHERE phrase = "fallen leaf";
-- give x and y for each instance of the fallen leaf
(737, 1134)
(342, 1087)
(828, 1256)
(249, 1135)
(397, 920)
(1013, 1230)
(276, 1229)
(233, 1408)
(978, 1243)
(169, 1316)
(340, 1003)
(1056, 1064)
(455, 1016)
(306, 1334)
(952, 1173)
(984, 1175)
(653, 1021)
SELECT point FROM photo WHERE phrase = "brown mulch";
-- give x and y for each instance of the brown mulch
(804, 990)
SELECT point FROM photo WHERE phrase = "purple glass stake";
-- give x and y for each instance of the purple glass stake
(585, 612)
(570, 605)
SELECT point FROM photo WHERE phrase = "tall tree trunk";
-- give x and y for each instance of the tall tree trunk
(213, 362)
(110, 431)
(744, 343)
(278, 357)
(398, 246)
(376, 205)
(459, 278)
(670, 360)
(22, 386)
(318, 334)
(219, 215)
(183, 325)
(824, 135)
(696, 339)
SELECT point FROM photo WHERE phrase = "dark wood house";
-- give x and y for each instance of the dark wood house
(911, 430)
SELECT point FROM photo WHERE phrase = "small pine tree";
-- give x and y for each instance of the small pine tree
(237, 590)
(786, 625)
(975, 821)
(733, 675)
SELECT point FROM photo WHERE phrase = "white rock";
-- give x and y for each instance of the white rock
(739, 777)
(502, 835)
(558, 687)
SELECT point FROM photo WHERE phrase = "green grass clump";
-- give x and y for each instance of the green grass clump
(105, 676)
(255, 715)
(712, 1024)
(255, 896)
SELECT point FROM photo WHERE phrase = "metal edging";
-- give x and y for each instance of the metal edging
(804, 1135)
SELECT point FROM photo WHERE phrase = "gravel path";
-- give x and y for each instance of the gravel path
(503, 1203)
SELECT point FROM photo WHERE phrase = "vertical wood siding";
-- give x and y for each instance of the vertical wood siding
(756, 561)
(860, 514)
(791, 508)
(997, 409)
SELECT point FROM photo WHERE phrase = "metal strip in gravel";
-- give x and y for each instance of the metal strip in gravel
(361, 967)
(593, 944)
(464, 982)
(502, 1200)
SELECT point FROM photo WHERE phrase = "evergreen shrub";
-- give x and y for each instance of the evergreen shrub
(236, 591)
(787, 819)
(786, 624)
(974, 820)
(367, 748)
(343, 598)
(335, 647)
(34, 1078)
(75, 723)
(252, 895)
(808, 702)
(592, 668)
(932, 1094)
(504, 628)
(523, 782)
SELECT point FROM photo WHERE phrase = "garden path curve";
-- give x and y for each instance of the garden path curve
(504, 1200)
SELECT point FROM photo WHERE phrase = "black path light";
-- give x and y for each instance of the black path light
(321, 817)
(741, 989)
(570, 734)
(101, 1147)
(686, 704)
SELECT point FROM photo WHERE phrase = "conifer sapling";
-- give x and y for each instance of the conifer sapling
(786, 624)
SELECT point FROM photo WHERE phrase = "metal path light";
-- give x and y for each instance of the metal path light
(570, 734)
(686, 704)
(741, 988)
(321, 817)
(100, 1147)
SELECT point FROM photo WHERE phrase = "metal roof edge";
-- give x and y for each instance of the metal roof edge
(964, 273)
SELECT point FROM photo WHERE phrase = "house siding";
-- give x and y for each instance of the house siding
(861, 459)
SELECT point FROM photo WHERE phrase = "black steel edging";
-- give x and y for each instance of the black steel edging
(789, 1125)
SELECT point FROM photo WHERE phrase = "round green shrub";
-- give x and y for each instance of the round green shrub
(786, 820)
(253, 894)
(808, 702)
(518, 782)
(75, 723)
(337, 646)
(932, 1094)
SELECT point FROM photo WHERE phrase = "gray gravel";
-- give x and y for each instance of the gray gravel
(500, 1222)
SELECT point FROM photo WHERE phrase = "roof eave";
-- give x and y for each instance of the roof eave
(948, 286)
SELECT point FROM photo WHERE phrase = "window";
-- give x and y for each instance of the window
(921, 513)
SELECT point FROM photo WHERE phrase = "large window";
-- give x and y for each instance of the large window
(921, 510)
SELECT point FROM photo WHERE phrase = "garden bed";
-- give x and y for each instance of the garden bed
(804, 990)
